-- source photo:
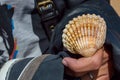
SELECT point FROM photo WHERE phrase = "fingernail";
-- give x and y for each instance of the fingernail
(64, 62)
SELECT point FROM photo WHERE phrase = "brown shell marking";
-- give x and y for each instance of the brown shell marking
(84, 34)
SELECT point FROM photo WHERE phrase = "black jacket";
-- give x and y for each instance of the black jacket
(99, 7)
(52, 67)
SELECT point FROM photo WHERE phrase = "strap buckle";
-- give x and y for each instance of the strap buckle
(47, 10)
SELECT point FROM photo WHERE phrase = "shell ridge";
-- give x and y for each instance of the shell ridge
(84, 34)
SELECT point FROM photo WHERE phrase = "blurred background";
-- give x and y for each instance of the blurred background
(116, 5)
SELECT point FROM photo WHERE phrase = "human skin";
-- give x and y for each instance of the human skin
(105, 71)
(97, 65)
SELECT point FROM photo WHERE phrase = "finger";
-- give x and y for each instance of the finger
(84, 64)
(107, 53)
(99, 53)
(97, 59)
(72, 63)
(105, 57)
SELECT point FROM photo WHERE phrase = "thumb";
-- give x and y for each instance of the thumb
(70, 62)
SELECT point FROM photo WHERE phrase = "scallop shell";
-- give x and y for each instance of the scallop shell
(84, 34)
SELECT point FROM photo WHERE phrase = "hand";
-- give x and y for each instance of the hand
(105, 72)
(81, 66)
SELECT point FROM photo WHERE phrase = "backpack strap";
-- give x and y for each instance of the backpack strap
(50, 13)
(30, 69)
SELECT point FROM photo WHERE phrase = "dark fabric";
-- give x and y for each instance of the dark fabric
(1, 52)
(73, 3)
(99, 7)
(32, 67)
(39, 31)
(3, 61)
(43, 28)
(17, 69)
(7, 41)
(50, 69)
(6, 27)
(51, 15)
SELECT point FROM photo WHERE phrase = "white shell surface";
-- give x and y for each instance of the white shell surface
(84, 34)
